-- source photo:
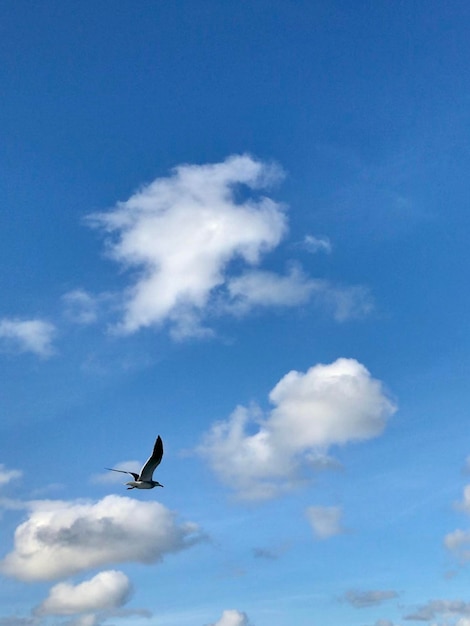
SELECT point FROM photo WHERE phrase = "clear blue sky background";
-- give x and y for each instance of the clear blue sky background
(358, 114)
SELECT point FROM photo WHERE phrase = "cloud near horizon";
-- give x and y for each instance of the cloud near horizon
(445, 608)
(61, 538)
(232, 617)
(458, 541)
(261, 457)
(191, 242)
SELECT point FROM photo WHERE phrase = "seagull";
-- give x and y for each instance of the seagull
(144, 479)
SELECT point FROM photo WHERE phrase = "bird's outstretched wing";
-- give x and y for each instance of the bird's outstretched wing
(153, 461)
(111, 469)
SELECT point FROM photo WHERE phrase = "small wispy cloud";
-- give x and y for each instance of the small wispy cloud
(363, 599)
(7, 475)
(458, 541)
(32, 335)
(80, 306)
(270, 554)
(317, 244)
(325, 521)
(446, 608)
(107, 478)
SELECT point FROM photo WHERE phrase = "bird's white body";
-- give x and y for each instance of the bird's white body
(140, 484)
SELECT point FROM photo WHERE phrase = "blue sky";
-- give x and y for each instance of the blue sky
(242, 226)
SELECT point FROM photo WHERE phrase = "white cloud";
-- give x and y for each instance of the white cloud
(325, 406)
(261, 288)
(458, 541)
(363, 599)
(80, 306)
(7, 475)
(325, 520)
(61, 538)
(465, 504)
(84, 620)
(192, 241)
(346, 302)
(181, 233)
(28, 335)
(258, 288)
(232, 617)
(317, 244)
(107, 590)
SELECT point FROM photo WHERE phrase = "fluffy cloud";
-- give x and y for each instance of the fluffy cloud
(325, 520)
(232, 617)
(325, 406)
(107, 590)
(28, 335)
(193, 240)
(363, 599)
(62, 538)
(7, 475)
(181, 233)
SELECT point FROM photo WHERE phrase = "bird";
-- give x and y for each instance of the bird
(144, 480)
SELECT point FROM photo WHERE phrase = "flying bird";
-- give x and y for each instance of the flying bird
(144, 480)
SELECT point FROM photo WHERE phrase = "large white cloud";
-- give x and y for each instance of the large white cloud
(28, 335)
(107, 590)
(232, 617)
(325, 406)
(61, 538)
(181, 233)
(192, 240)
